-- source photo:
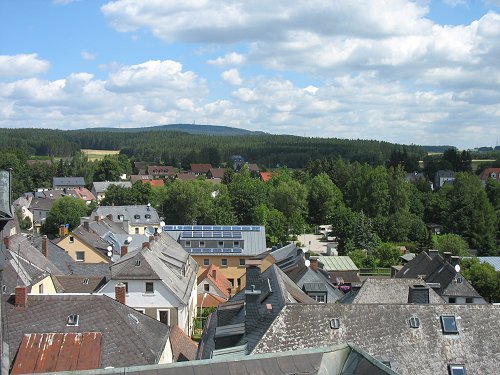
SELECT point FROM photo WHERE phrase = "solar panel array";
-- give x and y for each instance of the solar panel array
(208, 250)
(212, 228)
(199, 234)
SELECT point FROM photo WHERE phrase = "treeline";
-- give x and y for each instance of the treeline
(177, 148)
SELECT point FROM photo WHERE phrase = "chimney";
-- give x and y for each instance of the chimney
(97, 218)
(120, 292)
(110, 217)
(45, 246)
(314, 263)
(86, 225)
(433, 253)
(123, 250)
(454, 260)
(252, 295)
(21, 298)
(7, 242)
(151, 238)
(447, 256)
(146, 244)
(418, 294)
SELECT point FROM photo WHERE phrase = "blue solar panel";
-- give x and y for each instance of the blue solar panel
(257, 229)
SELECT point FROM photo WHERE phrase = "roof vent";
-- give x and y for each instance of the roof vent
(414, 322)
(86, 281)
(133, 318)
(335, 323)
(73, 320)
(138, 263)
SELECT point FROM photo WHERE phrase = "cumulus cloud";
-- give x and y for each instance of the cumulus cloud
(87, 55)
(232, 76)
(22, 65)
(231, 58)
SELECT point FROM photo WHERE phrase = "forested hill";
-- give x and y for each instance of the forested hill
(170, 147)
(186, 128)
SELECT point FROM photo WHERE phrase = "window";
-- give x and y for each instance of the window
(460, 280)
(136, 230)
(319, 298)
(137, 217)
(147, 216)
(150, 287)
(242, 262)
(206, 262)
(232, 282)
(164, 316)
(140, 310)
(335, 323)
(220, 244)
(239, 283)
(414, 322)
(188, 243)
(120, 217)
(86, 281)
(469, 300)
(223, 262)
(236, 244)
(206, 287)
(202, 243)
(80, 256)
(72, 320)
(452, 300)
(457, 369)
(40, 289)
(138, 263)
(71, 239)
(449, 324)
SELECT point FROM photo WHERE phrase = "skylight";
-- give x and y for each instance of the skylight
(414, 322)
(73, 320)
(335, 323)
(449, 324)
(457, 370)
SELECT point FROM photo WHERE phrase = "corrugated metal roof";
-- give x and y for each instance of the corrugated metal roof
(337, 263)
(48, 352)
(494, 261)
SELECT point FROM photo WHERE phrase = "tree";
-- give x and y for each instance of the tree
(452, 243)
(386, 255)
(246, 194)
(108, 169)
(324, 199)
(275, 223)
(483, 278)
(66, 210)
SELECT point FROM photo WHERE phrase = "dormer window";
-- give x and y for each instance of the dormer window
(335, 323)
(73, 320)
(414, 322)
(120, 217)
(147, 216)
(137, 217)
(449, 324)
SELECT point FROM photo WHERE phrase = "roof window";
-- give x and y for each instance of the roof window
(457, 370)
(73, 320)
(138, 263)
(335, 323)
(137, 217)
(414, 322)
(86, 281)
(147, 216)
(449, 324)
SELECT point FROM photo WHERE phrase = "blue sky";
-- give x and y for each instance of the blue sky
(421, 72)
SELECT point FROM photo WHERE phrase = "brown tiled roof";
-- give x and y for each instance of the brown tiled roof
(200, 168)
(217, 172)
(154, 183)
(140, 177)
(183, 348)
(161, 170)
(82, 193)
(210, 300)
(186, 176)
(81, 284)
(485, 175)
(53, 352)
(220, 281)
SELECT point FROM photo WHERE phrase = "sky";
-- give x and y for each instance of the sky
(414, 72)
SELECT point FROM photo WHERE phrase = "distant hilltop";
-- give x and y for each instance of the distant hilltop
(186, 128)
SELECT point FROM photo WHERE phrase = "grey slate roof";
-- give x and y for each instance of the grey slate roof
(68, 181)
(80, 284)
(377, 290)
(283, 291)
(336, 360)
(383, 330)
(129, 337)
(129, 213)
(101, 187)
(91, 239)
(318, 276)
(58, 256)
(166, 260)
(436, 270)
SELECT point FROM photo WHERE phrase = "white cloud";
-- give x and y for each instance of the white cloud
(87, 55)
(232, 76)
(454, 3)
(231, 58)
(63, 2)
(23, 65)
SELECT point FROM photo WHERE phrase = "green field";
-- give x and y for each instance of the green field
(99, 154)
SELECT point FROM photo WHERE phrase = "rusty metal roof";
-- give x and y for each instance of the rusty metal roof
(48, 352)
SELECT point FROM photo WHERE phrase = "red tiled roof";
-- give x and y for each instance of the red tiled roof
(51, 352)
(83, 193)
(486, 174)
(216, 277)
(217, 172)
(266, 176)
(200, 168)
(154, 183)
(183, 348)
(211, 300)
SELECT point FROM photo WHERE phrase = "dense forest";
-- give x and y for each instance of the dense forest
(179, 148)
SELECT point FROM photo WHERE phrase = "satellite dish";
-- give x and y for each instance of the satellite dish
(110, 254)
(159, 230)
(307, 262)
(110, 251)
(457, 268)
(129, 239)
(162, 224)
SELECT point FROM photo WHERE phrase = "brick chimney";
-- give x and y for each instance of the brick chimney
(97, 218)
(86, 225)
(146, 244)
(120, 292)
(45, 246)
(123, 250)
(7, 242)
(314, 263)
(418, 294)
(252, 295)
(21, 297)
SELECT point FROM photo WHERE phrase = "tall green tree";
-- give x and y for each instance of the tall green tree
(66, 210)
(452, 243)
(483, 278)
(324, 199)
(246, 194)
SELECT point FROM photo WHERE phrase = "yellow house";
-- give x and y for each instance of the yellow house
(84, 246)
